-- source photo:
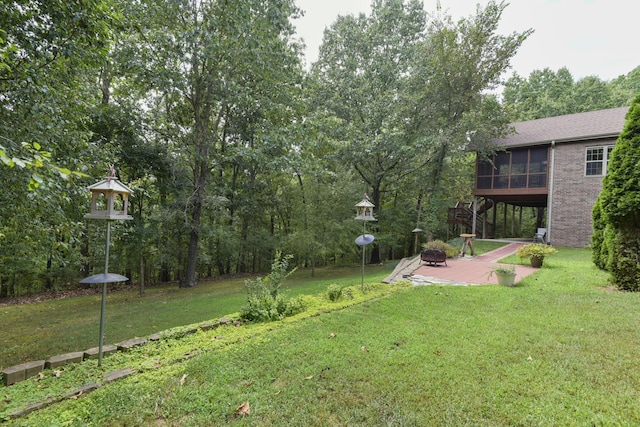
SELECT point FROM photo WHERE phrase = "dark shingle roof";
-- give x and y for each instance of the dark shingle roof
(571, 127)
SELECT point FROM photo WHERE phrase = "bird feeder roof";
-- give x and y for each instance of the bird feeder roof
(110, 184)
(365, 204)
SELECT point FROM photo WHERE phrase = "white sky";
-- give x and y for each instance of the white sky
(590, 37)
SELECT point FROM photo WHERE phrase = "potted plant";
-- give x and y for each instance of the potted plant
(506, 274)
(536, 253)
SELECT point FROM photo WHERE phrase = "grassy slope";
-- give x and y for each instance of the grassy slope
(560, 349)
(34, 331)
(45, 329)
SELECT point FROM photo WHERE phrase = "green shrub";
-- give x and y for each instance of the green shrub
(439, 244)
(616, 215)
(539, 250)
(625, 271)
(266, 308)
(597, 238)
(347, 292)
(264, 301)
(334, 291)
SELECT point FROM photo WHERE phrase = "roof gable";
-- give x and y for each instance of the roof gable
(567, 128)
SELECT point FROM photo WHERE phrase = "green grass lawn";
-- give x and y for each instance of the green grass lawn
(561, 348)
(45, 329)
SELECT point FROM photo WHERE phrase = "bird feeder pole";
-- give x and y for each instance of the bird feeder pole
(109, 201)
(364, 213)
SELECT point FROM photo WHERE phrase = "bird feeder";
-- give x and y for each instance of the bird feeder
(109, 199)
(364, 210)
(364, 213)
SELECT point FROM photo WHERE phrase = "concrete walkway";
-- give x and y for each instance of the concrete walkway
(461, 271)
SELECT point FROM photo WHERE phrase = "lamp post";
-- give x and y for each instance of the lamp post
(364, 213)
(416, 232)
(109, 201)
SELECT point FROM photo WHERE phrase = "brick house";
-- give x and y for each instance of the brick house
(555, 164)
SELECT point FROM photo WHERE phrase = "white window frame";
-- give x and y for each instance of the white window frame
(606, 153)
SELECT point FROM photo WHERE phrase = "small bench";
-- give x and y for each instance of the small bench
(433, 257)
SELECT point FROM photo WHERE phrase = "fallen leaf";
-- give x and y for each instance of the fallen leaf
(39, 377)
(309, 377)
(184, 377)
(529, 358)
(438, 352)
(243, 409)
(363, 348)
(217, 337)
(57, 373)
(332, 335)
(248, 383)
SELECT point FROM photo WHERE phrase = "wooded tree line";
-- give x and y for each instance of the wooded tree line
(547, 93)
(235, 151)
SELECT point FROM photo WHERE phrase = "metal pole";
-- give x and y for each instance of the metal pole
(104, 293)
(364, 229)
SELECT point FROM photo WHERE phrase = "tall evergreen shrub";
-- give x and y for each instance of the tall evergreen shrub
(617, 212)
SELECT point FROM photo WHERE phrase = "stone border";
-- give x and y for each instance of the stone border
(108, 377)
(17, 373)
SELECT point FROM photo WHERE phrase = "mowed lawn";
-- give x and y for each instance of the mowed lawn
(44, 329)
(562, 348)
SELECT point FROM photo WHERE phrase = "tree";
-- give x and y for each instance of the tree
(449, 109)
(544, 94)
(220, 71)
(626, 87)
(50, 53)
(407, 100)
(617, 212)
(590, 94)
(362, 70)
(547, 93)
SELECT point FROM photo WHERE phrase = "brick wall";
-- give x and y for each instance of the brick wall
(574, 195)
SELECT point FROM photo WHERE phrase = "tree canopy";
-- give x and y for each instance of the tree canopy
(235, 152)
(548, 93)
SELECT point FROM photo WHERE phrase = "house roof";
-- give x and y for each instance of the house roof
(568, 128)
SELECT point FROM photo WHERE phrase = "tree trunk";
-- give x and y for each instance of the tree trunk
(375, 250)
(189, 279)
(141, 275)
(4, 287)
(48, 283)
(202, 153)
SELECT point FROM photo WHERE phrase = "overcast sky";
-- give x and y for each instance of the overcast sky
(590, 37)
